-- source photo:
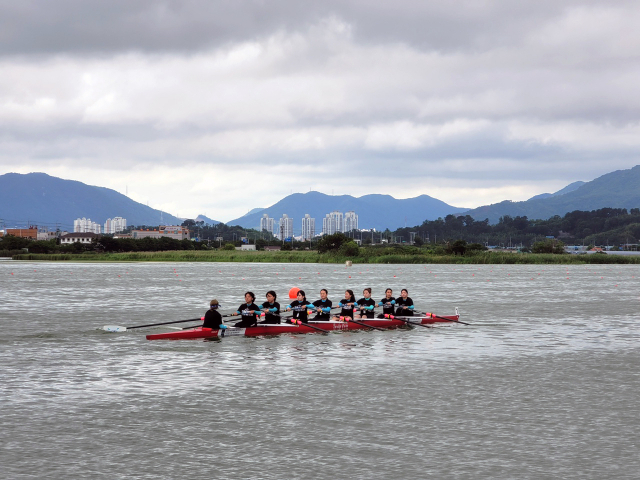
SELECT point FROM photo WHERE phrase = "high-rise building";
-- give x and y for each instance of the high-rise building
(332, 223)
(115, 225)
(85, 225)
(285, 227)
(267, 224)
(308, 227)
(350, 221)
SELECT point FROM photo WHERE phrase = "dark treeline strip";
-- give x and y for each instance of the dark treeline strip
(611, 226)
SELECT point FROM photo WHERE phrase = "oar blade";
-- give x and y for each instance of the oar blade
(114, 328)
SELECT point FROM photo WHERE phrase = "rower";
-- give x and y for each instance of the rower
(249, 311)
(347, 304)
(322, 307)
(387, 303)
(404, 304)
(365, 305)
(213, 319)
(271, 308)
(299, 307)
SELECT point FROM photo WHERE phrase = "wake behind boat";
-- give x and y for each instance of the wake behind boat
(287, 328)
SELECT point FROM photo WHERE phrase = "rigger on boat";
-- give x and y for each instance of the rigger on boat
(311, 327)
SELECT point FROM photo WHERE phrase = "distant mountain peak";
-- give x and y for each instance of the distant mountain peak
(377, 211)
(41, 199)
(618, 189)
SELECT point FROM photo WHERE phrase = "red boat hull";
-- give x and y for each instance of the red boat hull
(283, 328)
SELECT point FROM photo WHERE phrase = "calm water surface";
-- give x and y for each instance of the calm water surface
(544, 384)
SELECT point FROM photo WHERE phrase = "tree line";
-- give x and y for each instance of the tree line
(452, 234)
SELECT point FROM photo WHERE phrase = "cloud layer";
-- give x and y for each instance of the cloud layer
(220, 107)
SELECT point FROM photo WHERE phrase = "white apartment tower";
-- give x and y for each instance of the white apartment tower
(85, 225)
(350, 221)
(266, 223)
(285, 227)
(115, 225)
(332, 223)
(308, 227)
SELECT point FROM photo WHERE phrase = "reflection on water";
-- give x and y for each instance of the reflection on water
(543, 384)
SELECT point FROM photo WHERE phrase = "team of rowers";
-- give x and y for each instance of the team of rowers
(350, 308)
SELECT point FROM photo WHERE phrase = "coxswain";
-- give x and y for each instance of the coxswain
(388, 303)
(404, 304)
(213, 319)
(271, 308)
(249, 311)
(299, 307)
(365, 305)
(322, 306)
(347, 304)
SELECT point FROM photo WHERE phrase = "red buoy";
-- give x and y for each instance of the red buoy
(293, 293)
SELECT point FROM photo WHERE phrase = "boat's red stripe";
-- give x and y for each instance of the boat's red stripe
(200, 332)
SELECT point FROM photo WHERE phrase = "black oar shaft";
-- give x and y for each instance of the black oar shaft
(364, 324)
(314, 327)
(409, 322)
(165, 323)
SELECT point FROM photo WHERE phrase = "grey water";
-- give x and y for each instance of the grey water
(544, 383)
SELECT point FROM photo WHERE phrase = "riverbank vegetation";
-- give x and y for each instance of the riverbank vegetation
(453, 239)
(365, 256)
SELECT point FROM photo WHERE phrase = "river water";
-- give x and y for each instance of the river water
(543, 384)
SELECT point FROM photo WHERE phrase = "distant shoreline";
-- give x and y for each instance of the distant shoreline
(314, 257)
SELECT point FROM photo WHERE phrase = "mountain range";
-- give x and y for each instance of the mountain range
(374, 211)
(43, 200)
(38, 198)
(619, 189)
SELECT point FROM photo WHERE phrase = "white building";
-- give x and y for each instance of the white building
(350, 221)
(333, 223)
(81, 237)
(85, 225)
(163, 231)
(308, 227)
(115, 225)
(267, 223)
(285, 227)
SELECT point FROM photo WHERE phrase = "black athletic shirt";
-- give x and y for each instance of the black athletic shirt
(363, 302)
(322, 304)
(300, 310)
(271, 317)
(347, 311)
(249, 318)
(387, 308)
(401, 312)
(212, 319)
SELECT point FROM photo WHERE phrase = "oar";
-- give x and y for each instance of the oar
(433, 315)
(300, 322)
(349, 319)
(116, 328)
(393, 317)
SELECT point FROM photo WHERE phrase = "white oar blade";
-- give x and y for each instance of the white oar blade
(114, 328)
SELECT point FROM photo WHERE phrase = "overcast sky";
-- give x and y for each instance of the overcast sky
(217, 107)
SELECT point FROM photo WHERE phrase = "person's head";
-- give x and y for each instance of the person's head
(214, 304)
(366, 292)
(271, 296)
(388, 292)
(404, 293)
(249, 297)
(323, 294)
(348, 294)
(301, 295)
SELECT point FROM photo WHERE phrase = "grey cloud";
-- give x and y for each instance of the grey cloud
(110, 26)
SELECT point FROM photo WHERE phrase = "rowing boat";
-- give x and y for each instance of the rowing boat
(284, 328)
